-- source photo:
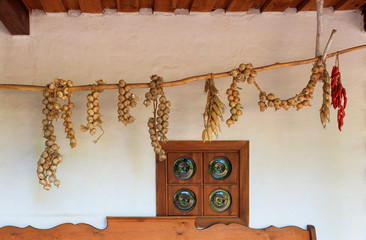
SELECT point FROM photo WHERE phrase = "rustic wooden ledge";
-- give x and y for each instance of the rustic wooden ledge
(156, 228)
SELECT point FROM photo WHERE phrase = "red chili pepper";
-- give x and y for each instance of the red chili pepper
(335, 90)
(342, 111)
(333, 83)
(345, 102)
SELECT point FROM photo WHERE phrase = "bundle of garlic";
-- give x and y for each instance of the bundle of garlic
(244, 72)
(126, 100)
(50, 158)
(93, 117)
(324, 110)
(158, 125)
(68, 124)
(234, 103)
(213, 111)
(299, 101)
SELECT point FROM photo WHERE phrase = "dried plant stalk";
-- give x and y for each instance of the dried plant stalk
(213, 111)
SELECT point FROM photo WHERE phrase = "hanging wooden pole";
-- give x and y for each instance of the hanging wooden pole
(319, 26)
(181, 81)
(325, 52)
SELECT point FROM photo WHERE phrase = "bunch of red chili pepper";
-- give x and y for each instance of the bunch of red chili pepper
(338, 93)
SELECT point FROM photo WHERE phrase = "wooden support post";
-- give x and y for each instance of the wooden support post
(15, 17)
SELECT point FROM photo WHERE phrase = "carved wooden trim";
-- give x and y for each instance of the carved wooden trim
(156, 228)
(312, 232)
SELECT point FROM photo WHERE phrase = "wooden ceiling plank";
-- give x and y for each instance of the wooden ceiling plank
(71, 4)
(302, 5)
(329, 3)
(280, 5)
(203, 5)
(146, 3)
(240, 5)
(258, 4)
(221, 4)
(15, 16)
(339, 4)
(350, 5)
(53, 6)
(90, 6)
(111, 4)
(311, 5)
(182, 4)
(163, 6)
(128, 5)
(32, 4)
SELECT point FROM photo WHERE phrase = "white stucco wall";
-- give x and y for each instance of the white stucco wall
(299, 173)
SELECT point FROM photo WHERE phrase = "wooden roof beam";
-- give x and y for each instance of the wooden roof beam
(363, 9)
(302, 5)
(339, 4)
(265, 6)
(15, 16)
(163, 6)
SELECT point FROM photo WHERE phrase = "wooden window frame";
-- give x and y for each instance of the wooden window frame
(242, 147)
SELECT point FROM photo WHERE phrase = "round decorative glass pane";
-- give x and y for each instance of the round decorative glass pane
(220, 200)
(184, 168)
(184, 200)
(220, 168)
